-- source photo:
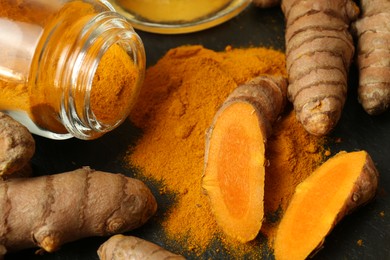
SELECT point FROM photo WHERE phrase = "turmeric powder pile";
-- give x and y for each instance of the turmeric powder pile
(179, 98)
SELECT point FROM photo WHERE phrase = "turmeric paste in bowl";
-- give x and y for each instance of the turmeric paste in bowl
(178, 16)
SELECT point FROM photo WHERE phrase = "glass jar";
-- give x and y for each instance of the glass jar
(68, 68)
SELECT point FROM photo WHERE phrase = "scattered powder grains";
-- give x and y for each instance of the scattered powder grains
(177, 103)
(293, 155)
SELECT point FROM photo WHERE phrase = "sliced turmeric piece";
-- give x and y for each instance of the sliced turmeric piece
(234, 170)
(339, 186)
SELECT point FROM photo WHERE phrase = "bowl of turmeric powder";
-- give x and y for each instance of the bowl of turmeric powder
(178, 16)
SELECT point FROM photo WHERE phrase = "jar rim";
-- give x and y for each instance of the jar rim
(98, 35)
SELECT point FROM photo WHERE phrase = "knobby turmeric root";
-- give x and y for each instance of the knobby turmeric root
(373, 37)
(319, 51)
(120, 247)
(48, 211)
(234, 168)
(26, 171)
(17, 146)
(335, 189)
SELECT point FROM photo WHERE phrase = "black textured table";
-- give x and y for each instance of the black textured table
(357, 130)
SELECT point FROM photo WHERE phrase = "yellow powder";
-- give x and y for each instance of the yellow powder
(177, 103)
(293, 154)
(114, 85)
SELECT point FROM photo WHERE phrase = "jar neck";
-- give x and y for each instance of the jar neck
(77, 94)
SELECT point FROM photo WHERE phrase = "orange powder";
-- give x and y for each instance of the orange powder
(114, 85)
(177, 103)
(293, 154)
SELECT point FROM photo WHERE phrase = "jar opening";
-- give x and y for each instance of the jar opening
(106, 79)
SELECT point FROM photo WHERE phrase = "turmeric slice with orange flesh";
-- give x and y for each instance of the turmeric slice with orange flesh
(235, 161)
(339, 186)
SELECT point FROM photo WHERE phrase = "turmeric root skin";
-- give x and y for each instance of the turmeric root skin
(60, 208)
(319, 51)
(234, 169)
(337, 188)
(373, 37)
(122, 247)
(17, 146)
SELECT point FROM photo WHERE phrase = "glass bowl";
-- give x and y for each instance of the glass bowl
(178, 16)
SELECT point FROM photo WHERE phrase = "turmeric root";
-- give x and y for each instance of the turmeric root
(373, 37)
(25, 172)
(234, 168)
(266, 3)
(319, 51)
(122, 247)
(17, 145)
(48, 211)
(335, 189)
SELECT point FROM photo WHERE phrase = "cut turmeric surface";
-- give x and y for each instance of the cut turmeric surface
(235, 155)
(339, 186)
(234, 177)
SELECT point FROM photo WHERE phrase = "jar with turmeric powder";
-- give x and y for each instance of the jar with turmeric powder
(68, 68)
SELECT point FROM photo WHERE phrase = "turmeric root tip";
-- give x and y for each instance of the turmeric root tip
(319, 51)
(335, 189)
(17, 145)
(122, 247)
(234, 160)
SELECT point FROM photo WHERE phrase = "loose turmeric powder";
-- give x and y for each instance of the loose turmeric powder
(293, 154)
(114, 86)
(179, 98)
